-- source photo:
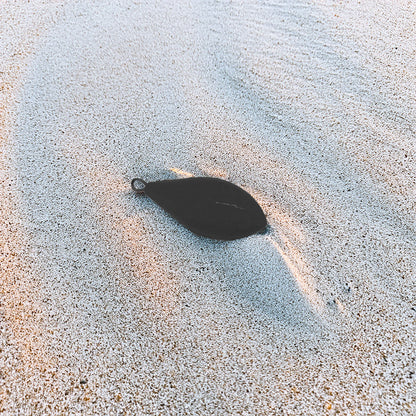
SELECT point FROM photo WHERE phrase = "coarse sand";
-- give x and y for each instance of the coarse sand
(108, 306)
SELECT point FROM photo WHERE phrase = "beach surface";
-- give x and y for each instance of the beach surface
(108, 306)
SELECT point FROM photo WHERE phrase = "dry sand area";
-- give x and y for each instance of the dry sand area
(108, 306)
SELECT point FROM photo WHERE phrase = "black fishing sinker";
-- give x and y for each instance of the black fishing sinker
(209, 207)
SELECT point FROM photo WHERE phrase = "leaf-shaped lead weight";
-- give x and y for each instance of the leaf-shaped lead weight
(209, 207)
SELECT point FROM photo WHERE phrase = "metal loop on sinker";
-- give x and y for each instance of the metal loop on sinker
(138, 185)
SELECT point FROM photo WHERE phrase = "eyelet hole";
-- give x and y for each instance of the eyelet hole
(138, 185)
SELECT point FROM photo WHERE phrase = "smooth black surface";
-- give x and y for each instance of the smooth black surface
(209, 207)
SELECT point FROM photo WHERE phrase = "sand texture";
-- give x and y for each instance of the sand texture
(108, 306)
